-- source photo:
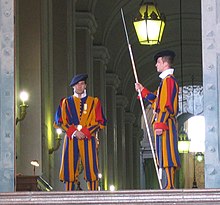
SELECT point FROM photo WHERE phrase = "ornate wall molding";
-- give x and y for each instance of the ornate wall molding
(121, 101)
(112, 80)
(86, 20)
(129, 118)
(101, 53)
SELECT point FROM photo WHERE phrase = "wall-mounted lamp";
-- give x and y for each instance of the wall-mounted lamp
(35, 164)
(199, 156)
(149, 24)
(23, 107)
(58, 141)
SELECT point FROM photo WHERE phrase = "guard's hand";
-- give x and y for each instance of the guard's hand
(80, 135)
(158, 131)
(138, 86)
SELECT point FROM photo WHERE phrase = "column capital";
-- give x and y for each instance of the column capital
(121, 101)
(138, 133)
(129, 117)
(101, 53)
(86, 20)
(112, 80)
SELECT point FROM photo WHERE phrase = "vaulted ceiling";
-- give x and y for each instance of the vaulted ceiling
(110, 33)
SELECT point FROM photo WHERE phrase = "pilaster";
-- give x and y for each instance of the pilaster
(71, 37)
(85, 28)
(7, 125)
(129, 121)
(112, 83)
(100, 61)
(137, 137)
(211, 78)
(121, 103)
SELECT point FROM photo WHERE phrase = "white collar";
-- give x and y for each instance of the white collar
(165, 73)
(82, 95)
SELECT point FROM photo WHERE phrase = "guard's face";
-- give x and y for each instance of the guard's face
(160, 65)
(80, 87)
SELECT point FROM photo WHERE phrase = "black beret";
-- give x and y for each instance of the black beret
(164, 53)
(77, 78)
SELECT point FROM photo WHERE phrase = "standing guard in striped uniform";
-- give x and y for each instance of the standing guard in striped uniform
(165, 108)
(80, 116)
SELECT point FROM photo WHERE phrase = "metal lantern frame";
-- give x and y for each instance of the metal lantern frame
(149, 24)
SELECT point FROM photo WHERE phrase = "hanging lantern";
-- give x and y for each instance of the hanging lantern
(149, 24)
(183, 143)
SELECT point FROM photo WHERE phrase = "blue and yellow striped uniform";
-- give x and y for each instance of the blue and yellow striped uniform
(165, 106)
(87, 113)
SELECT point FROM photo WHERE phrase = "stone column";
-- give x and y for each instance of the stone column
(7, 125)
(121, 102)
(85, 28)
(100, 61)
(211, 78)
(112, 83)
(137, 137)
(129, 120)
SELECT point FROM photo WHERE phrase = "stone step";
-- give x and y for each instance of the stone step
(159, 197)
